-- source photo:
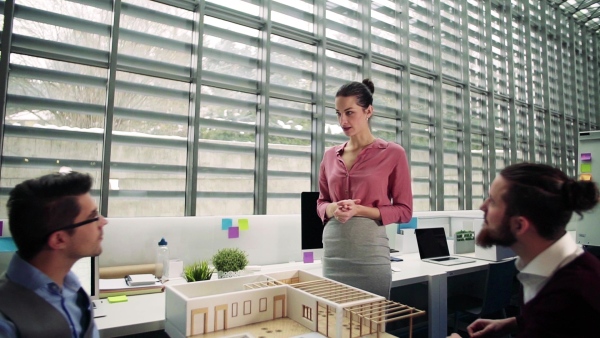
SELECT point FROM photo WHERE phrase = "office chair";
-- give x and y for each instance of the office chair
(497, 294)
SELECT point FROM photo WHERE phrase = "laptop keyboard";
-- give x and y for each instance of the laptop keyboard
(443, 259)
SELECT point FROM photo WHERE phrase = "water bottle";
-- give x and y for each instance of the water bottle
(162, 261)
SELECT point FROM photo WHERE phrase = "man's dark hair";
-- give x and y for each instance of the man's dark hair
(38, 206)
(362, 91)
(546, 196)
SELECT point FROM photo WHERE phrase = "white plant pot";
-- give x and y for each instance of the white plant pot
(229, 274)
(461, 247)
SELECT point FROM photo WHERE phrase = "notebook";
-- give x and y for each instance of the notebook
(433, 247)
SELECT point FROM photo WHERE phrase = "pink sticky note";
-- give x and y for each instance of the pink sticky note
(586, 157)
(308, 257)
(234, 232)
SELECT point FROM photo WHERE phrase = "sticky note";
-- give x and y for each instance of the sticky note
(308, 257)
(586, 167)
(586, 157)
(585, 177)
(117, 299)
(412, 224)
(226, 223)
(234, 232)
(7, 244)
(243, 223)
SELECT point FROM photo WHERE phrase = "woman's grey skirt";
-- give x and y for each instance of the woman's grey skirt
(357, 253)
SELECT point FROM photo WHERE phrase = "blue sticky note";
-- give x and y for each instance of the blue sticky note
(412, 224)
(308, 257)
(234, 232)
(226, 223)
(7, 244)
(243, 223)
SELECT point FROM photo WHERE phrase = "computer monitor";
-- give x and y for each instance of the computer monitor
(311, 223)
(87, 271)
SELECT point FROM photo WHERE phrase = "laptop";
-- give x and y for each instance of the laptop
(433, 247)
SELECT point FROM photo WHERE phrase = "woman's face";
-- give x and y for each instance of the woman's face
(352, 118)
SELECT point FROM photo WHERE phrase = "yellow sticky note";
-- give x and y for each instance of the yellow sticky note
(586, 168)
(117, 299)
(585, 177)
(243, 223)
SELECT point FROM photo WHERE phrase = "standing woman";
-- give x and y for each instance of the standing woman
(364, 184)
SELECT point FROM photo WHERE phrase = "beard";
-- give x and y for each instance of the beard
(501, 236)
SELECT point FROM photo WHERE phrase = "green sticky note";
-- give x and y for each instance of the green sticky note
(243, 223)
(586, 168)
(117, 299)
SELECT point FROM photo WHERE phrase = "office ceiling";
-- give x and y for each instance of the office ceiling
(584, 11)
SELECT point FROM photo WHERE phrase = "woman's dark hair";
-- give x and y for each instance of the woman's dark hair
(362, 91)
(39, 205)
(546, 196)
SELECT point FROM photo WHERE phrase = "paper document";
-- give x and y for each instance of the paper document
(141, 279)
(120, 283)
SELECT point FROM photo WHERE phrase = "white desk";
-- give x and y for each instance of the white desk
(145, 313)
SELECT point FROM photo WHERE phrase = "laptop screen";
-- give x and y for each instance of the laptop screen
(432, 242)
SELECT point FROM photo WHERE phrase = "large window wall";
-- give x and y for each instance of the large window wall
(206, 107)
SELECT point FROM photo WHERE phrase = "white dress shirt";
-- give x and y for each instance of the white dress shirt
(536, 274)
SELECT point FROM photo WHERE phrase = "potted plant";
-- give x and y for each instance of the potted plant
(464, 241)
(197, 271)
(229, 262)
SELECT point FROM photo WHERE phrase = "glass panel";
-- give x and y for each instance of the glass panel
(388, 91)
(421, 101)
(520, 58)
(453, 182)
(226, 153)
(245, 6)
(501, 130)
(479, 158)
(148, 156)
(296, 14)
(477, 58)
(343, 21)
(451, 37)
(230, 54)
(421, 166)
(420, 36)
(499, 62)
(340, 69)
(289, 161)
(478, 112)
(452, 106)
(386, 28)
(292, 67)
(54, 107)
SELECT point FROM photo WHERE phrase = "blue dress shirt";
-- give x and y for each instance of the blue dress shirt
(65, 301)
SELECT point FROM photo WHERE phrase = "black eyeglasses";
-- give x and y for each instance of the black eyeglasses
(76, 225)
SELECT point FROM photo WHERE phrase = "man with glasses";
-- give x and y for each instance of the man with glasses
(54, 222)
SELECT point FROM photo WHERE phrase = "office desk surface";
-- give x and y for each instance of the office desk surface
(141, 313)
(144, 313)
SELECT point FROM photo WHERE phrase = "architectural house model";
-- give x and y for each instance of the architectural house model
(203, 307)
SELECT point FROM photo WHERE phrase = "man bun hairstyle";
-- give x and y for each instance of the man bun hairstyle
(580, 195)
(363, 91)
(546, 196)
(38, 206)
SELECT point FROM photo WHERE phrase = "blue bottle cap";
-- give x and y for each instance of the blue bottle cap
(162, 242)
